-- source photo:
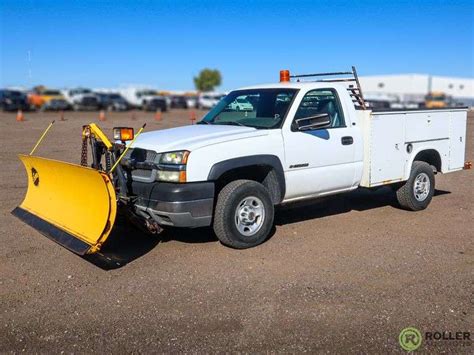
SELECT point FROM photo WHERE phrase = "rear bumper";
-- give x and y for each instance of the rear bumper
(179, 205)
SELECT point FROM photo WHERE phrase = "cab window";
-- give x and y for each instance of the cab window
(320, 101)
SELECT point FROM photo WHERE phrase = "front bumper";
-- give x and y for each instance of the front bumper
(179, 205)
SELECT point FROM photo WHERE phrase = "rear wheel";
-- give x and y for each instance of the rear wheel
(243, 215)
(418, 190)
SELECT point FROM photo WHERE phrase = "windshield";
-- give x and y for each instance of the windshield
(258, 108)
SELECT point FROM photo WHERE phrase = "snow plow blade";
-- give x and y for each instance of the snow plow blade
(71, 204)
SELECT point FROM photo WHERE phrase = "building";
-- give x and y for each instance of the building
(414, 87)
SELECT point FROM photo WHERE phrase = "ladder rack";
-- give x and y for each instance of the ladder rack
(354, 91)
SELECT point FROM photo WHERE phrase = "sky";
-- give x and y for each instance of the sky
(165, 43)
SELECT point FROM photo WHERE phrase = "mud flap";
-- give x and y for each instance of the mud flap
(73, 205)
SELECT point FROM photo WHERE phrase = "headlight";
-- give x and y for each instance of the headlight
(172, 166)
(176, 158)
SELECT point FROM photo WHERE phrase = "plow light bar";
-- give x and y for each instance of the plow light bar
(123, 133)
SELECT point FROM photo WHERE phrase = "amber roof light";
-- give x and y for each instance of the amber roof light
(284, 76)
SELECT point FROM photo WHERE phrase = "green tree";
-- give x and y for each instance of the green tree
(207, 79)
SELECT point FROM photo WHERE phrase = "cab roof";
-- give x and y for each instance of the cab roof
(295, 85)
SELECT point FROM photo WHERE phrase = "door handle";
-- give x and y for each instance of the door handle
(347, 140)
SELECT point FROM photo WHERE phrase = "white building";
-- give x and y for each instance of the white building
(414, 87)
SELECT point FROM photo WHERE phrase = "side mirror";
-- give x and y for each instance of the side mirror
(313, 122)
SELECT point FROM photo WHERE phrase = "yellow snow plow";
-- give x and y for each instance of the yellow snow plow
(76, 205)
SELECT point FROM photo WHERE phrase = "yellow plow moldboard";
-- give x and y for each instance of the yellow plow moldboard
(71, 204)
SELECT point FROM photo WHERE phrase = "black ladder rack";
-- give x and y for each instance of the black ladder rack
(354, 91)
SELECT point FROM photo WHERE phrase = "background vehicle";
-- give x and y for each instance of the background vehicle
(145, 99)
(241, 104)
(192, 101)
(56, 105)
(301, 140)
(178, 101)
(437, 100)
(209, 99)
(157, 103)
(82, 99)
(13, 100)
(47, 99)
(112, 102)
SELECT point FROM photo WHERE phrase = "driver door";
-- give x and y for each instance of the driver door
(321, 160)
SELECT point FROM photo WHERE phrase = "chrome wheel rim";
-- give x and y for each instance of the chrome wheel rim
(421, 187)
(249, 216)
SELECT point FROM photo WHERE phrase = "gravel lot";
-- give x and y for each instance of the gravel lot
(341, 274)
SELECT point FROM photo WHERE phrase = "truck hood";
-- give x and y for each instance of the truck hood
(193, 136)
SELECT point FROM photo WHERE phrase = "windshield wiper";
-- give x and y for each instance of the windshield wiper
(203, 122)
(233, 123)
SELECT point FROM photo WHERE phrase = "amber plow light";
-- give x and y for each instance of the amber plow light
(284, 76)
(468, 165)
(123, 134)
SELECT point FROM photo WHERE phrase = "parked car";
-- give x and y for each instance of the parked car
(209, 100)
(59, 104)
(157, 103)
(241, 104)
(82, 99)
(13, 100)
(178, 101)
(192, 101)
(141, 98)
(44, 99)
(112, 102)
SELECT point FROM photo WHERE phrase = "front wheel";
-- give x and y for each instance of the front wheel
(418, 190)
(243, 215)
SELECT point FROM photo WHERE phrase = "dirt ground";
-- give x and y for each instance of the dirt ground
(342, 274)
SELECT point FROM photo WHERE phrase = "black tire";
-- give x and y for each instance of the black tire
(228, 202)
(406, 195)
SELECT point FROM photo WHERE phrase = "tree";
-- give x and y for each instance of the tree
(207, 79)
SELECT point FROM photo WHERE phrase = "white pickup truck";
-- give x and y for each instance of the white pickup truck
(301, 140)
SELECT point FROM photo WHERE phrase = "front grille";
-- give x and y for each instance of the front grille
(143, 155)
(141, 173)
